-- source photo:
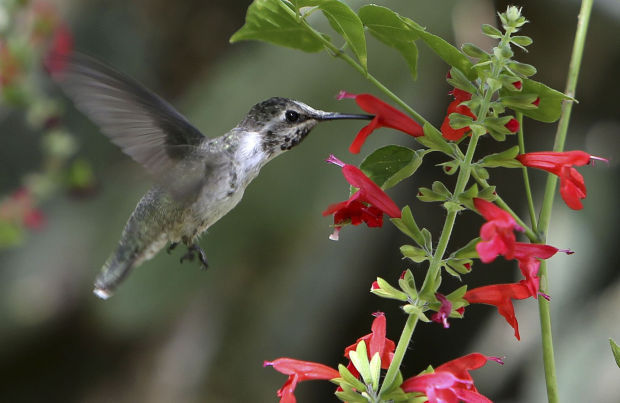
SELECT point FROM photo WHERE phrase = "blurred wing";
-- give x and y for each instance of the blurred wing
(142, 124)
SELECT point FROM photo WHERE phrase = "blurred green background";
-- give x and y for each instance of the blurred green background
(277, 286)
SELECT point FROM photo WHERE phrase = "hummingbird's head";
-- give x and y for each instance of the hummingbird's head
(283, 123)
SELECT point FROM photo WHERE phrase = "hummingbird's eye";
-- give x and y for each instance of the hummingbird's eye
(291, 116)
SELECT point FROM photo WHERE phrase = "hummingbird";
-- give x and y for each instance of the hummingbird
(198, 179)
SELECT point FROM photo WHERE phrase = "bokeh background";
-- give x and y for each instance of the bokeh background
(277, 286)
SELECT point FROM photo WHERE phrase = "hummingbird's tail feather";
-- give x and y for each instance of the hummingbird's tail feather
(113, 272)
(142, 238)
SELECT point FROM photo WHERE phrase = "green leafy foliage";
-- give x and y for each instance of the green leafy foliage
(274, 22)
(504, 159)
(389, 28)
(550, 106)
(402, 29)
(407, 225)
(389, 165)
(344, 21)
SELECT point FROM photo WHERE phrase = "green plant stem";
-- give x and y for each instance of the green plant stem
(545, 213)
(526, 177)
(399, 353)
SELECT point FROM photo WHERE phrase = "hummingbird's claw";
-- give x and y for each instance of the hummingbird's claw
(191, 250)
(171, 247)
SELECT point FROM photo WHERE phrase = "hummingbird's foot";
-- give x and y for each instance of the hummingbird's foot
(191, 250)
(171, 247)
(203, 257)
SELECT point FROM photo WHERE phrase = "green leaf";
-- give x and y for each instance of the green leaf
(274, 22)
(450, 167)
(481, 172)
(468, 251)
(407, 225)
(418, 255)
(386, 290)
(448, 53)
(389, 165)
(347, 24)
(434, 140)
(615, 349)
(491, 31)
(349, 395)
(389, 28)
(359, 358)
(488, 193)
(461, 266)
(349, 378)
(407, 284)
(550, 106)
(409, 30)
(428, 239)
(504, 159)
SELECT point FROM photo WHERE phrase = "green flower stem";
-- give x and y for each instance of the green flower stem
(545, 213)
(399, 353)
(526, 177)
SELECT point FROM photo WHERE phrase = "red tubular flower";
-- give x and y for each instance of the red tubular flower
(385, 116)
(500, 295)
(451, 382)
(572, 186)
(527, 254)
(376, 342)
(442, 315)
(497, 233)
(299, 371)
(512, 125)
(366, 205)
(455, 106)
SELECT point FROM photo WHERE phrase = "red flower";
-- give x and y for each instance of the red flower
(299, 371)
(528, 255)
(500, 295)
(60, 48)
(512, 125)
(441, 316)
(451, 382)
(497, 233)
(517, 85)
(455, 107)
(572, 186)
(385, 116)
(366, 205)
(376, 342)
(536, 102)
(20, 208)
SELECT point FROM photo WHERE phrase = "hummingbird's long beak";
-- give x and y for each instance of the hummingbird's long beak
(336, 116)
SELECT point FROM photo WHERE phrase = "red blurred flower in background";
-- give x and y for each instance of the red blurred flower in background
(19, 208)
(385, 116)
(572, 186)
(366, 205)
